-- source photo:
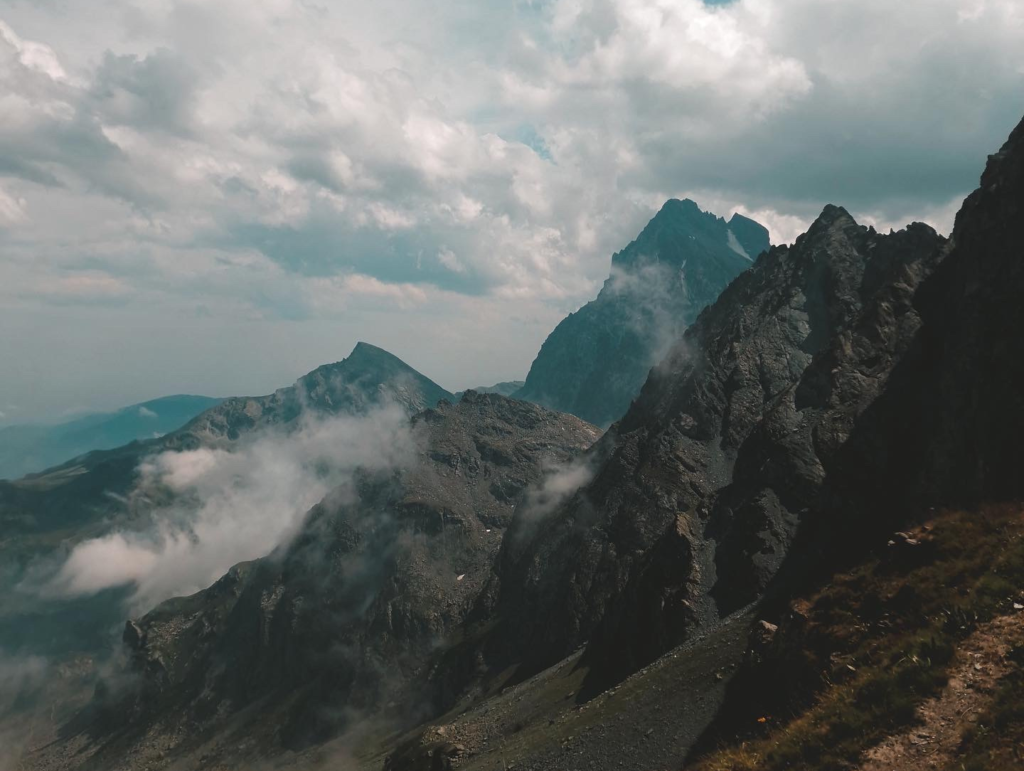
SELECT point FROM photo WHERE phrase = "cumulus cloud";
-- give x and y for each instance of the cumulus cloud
(231, 505)
(278, 161)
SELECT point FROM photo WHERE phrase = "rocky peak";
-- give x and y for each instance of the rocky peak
(369, 377)
(681, 231)
(594, 363)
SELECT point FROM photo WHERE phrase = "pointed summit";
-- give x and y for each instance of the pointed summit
(595, 361)
(369, 377)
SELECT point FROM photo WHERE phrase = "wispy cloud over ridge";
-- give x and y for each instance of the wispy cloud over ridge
(225, 506)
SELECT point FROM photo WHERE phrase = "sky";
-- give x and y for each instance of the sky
(217, 196)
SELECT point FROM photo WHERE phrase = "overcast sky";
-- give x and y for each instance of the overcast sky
(217, 196)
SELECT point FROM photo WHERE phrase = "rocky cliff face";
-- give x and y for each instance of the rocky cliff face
(595, 361)
(832, 394)
(833, 388)
(348, 617)
(704, 485)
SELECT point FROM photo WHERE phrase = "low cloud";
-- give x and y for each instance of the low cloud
(229, 506)
(20, 677)
(559, 484)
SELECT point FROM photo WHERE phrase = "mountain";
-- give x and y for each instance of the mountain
(595, 361)
(802, 546)
(346, 620)
(505, 388)
(842, 389)
(723, 461)
(25, 449)
(44, 515)
(369, 377)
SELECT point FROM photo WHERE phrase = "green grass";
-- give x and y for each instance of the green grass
(878, 641)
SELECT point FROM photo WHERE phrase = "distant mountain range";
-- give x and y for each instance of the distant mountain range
(25, 449)
(506, 388)
(595, 361)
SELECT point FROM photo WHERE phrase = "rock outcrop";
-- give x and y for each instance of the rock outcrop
(595, 361)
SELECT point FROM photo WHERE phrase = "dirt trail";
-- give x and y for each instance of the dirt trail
(979, 664)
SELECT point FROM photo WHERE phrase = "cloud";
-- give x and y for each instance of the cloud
(19, 675)
(145, 412)
(230, 505)
(12, 210)
(559, 484)
(252, 159)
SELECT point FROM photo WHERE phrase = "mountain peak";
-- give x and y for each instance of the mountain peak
(680, 206)
(832, 221)
(832, 214)
(594, 363)
(365, 359)
(364, 348)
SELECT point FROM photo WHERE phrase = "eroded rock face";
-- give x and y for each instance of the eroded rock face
(974, 399)
(726, 452)
(347, 617)
(596, 360)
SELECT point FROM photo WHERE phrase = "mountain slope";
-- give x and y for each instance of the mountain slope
(368, 377)
(831, 395)
(347, 618)
(25, 449)
(46, 514)
(595, 361)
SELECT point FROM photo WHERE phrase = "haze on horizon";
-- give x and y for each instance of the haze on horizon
(216, 197)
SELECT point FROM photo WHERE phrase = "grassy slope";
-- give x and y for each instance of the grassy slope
(851, 663)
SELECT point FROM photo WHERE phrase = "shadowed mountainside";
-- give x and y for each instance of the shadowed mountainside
(595, 361)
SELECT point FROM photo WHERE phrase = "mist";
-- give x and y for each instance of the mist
(658, 300)
(230, 505)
